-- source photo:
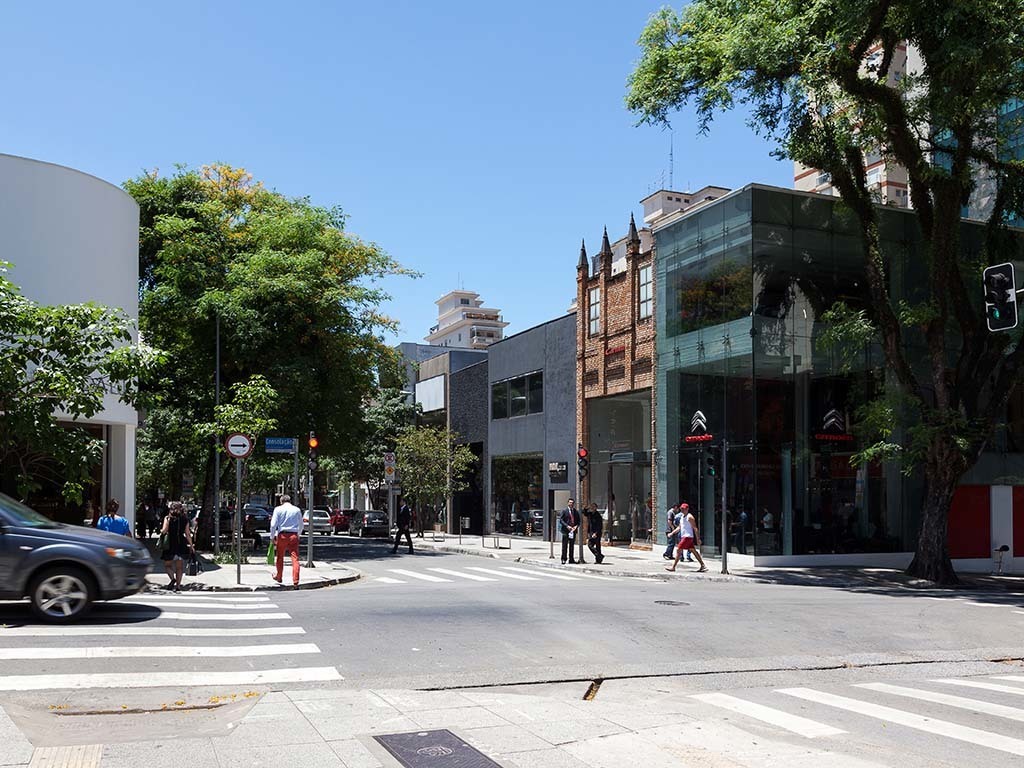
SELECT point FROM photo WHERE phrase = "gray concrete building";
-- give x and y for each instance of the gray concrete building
(531, 443)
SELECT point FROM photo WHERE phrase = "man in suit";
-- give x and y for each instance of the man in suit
(596, 523)
(403, 522)
(569, 524)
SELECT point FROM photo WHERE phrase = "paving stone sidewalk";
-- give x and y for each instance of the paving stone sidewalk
(256, 574)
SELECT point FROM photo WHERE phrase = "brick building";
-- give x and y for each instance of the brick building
(615, 381)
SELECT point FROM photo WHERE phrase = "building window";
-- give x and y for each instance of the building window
(595, 311)
(645, 297)
(520, 396)
(464, 302)
(823, 178)
(499, 400)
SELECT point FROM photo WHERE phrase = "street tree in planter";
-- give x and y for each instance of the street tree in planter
(432, 466)
(818, 79)
(385, 417)
(62, 359)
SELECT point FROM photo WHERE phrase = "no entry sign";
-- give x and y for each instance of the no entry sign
(238, 446)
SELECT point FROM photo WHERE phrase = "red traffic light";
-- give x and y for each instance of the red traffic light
(582, 453)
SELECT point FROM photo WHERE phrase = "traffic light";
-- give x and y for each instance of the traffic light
(712, 464)
(313, 445)
(582, 461)
(1000, 297)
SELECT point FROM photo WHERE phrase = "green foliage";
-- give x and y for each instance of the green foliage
(432, 467)
(61, 359)
(384, 419)
(297, 298)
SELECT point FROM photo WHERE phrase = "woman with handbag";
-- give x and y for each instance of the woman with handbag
(175, 543)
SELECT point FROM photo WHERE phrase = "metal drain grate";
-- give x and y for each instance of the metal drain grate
(427, 749)
(670, 602)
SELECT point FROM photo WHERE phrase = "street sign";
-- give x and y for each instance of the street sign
(389, 473)
(238, 446)
(188, 481)
(280, 444)
(389, 459)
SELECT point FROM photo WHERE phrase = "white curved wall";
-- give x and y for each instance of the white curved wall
(74, 238)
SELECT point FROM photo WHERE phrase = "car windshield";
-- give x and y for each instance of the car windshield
(18, 514)
(321, 513)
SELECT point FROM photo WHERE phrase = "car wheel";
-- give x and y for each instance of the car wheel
(61, 595)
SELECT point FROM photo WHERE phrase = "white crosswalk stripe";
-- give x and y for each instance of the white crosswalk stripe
(802, 726)
(231, 652)
(546, 574)
(388, 580)
(945, 728)
(436, 575)
(460, 575)
(981, 685)
(959, 702)
(494, 572)
(414, 575)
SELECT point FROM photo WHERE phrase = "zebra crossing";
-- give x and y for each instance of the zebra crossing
(477, 574)
(987, 718)
(160, 640)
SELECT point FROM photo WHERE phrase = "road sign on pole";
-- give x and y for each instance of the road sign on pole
(238, 446)
(280, 444)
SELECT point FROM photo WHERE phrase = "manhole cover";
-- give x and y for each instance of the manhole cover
(670, 602)
(426, 749)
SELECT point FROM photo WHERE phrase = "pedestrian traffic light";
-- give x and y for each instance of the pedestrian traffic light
(582, 461)
(1000, 297)
(313, 453)
(712, 463)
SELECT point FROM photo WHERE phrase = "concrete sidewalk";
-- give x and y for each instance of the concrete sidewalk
(256, 574)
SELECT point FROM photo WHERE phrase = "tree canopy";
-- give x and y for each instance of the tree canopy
(432, 466)
(824, 80)
(296, 297)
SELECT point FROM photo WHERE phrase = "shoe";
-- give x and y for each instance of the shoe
(276, 578)
(295, 585)
(572, 562)
(670, 569)
(600, 561)
(666, 557)
(563, 562)
(177, 588)
(702, 569)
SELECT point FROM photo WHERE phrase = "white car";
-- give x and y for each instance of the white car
(321, 522)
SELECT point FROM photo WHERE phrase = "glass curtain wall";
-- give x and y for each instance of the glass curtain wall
(742, 286)
(518, 485)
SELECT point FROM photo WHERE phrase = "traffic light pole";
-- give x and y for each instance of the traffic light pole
(309, 507)
(724, 544)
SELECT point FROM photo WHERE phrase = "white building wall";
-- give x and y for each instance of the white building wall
(74, 238)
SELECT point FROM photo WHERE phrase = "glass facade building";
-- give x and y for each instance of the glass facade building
(742, 284)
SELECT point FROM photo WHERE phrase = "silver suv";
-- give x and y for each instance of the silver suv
(61, 568)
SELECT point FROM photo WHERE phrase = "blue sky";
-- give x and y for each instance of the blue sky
(476, 142)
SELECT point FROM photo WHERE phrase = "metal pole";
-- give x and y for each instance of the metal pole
(238, 520)
(725, 462)
(216, 445)
(309, 507)
(295, 477)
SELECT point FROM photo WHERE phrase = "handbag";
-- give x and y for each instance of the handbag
(192, 567)
(271, 553)
(161, 542)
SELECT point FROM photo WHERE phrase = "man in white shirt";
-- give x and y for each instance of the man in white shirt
(285, 527)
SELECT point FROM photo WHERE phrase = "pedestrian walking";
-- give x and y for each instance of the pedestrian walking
(568, 524)
(403, 522)
(670, 525)
(176, 543)
(152, 515)
(689, 539)
(596, 523)
(285, 527)
(112, 522)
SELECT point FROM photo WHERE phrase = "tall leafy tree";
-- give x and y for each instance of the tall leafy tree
(59, 360)
(818, 79)
(432, 466)
(295, 295)
(384, 419)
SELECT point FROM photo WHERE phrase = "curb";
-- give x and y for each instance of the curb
(353, 575)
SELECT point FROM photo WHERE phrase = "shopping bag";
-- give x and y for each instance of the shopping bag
(271, 553)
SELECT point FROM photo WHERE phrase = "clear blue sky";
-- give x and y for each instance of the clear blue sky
(476, 142)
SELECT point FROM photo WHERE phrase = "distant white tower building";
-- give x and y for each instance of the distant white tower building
(464, 322)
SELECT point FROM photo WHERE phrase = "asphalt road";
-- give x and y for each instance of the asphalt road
(442, 621)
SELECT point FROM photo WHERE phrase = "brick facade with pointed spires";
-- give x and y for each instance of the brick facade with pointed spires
(620, 357)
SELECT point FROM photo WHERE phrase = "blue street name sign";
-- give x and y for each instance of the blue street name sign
(280, 444)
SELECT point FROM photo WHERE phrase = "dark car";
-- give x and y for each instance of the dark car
(371, 523)
(536, 516)
(340, 519)
(255, 518)
(61, 568)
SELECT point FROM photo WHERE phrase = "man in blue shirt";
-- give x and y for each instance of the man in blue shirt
(113, 522)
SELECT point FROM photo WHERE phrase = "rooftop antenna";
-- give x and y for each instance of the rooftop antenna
(671, 161)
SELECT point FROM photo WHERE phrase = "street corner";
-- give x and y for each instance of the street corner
(257, 578)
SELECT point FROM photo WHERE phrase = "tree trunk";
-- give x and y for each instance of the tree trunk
(931, 559)
(204, 533)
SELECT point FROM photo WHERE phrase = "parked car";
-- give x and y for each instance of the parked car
(340, 519)
(255, 518)
(371, 523)
(62, 569)
(536, 516)
(321, 522)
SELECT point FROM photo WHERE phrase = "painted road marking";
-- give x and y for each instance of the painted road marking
(469, 576)
(973, 705)
(984, 686)
(910, 720)
(388, 580)
(157, 651)
(113, 629)
(801, 726)
(212, 597)
(175, 679)
(176, 616)
(541, 573)
(1011, 678)
(420, 576)
(500, 573)
(190, 606)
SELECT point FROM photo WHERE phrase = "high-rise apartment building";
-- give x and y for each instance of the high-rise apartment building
(463, 321)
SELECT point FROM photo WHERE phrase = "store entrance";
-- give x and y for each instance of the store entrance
(628, 516)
